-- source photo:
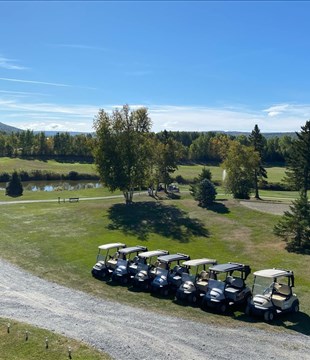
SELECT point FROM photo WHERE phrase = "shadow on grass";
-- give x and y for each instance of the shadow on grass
(299, 322)
(219, 208)
(142, 218)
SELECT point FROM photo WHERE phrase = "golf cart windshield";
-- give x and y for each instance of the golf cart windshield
(216, 284)
(262, 286)
(188, 277)
(142, 266)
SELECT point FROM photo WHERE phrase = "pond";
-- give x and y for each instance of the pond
(57, 185)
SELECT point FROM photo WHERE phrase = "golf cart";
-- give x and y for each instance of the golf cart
(126, 263)
(145, 271)
(194, 283)
(272, 294)
(106, 262)
(168, 278)
(226, 286)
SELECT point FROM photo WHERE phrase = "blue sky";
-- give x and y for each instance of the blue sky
(197, 66)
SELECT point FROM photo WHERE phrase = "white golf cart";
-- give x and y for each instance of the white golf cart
(226, 286)
(272, 294)
(146, 267)
(106, 259)
(195, 281)
(168, 277)
(127, 261)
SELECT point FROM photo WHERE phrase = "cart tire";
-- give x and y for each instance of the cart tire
(125, 280)
(223, 308)
(193, 299)
(165, 292)
(248, 311)
(268, 316)
(295, 307)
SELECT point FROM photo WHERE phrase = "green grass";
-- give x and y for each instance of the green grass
(14, 346)
(59, 242)
(189, 172)
(9, 165)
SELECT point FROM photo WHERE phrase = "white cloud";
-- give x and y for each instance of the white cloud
(9, 64)
(35, 82)
(71, 117)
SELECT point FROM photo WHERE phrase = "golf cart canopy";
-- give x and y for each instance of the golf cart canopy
(173, 257)
(197, 262)
(230, 267)
(149, 254)
(227, 267)
(273, 273)
(111, 246)
(132, 249)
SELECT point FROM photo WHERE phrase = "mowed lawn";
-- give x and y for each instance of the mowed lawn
(14, 346)
(59, 242)
(9, 165)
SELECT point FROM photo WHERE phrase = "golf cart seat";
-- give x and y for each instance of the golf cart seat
(202, 281)
(282, 293)
(233, 287)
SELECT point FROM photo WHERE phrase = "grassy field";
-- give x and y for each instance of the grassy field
(59, 242)
(189, 172)
(14, 346)
(9, 165)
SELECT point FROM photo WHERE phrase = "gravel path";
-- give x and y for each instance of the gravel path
(130, 333)
(266, 206)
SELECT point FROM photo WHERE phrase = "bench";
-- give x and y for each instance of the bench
(73, 199)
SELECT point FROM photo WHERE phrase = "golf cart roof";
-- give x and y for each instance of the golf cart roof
(197, 262)
(111, 246)
(228, 267)
(273, 273)
(149, 254)
(173, 257)
(132, 249)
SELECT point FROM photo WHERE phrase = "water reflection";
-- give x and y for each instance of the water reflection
(56, 185)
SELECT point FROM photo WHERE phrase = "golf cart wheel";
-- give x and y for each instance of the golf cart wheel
(248, 310)
(223, 308)
(295, 307)
(193, 299)
(269, 316)
(125, 280)
(165, 292)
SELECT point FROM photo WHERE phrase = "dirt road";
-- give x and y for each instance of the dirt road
(129, 333)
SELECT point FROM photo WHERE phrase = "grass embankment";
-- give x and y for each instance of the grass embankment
(14, 346)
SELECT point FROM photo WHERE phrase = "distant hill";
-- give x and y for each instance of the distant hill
(8, 129)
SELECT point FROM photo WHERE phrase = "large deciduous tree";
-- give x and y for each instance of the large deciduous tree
(257, 141)
(240, 163)
(122, 152)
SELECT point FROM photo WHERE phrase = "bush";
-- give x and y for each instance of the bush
(14, 187)
(204, 192)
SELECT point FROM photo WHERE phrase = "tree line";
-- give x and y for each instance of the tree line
(204, 147)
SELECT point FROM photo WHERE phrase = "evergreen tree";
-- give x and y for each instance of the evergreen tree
(298, 163)
(204, 192)
(294, 226)
(257, 141)
(14, 187)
